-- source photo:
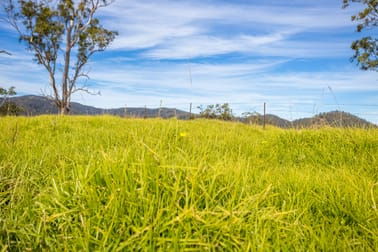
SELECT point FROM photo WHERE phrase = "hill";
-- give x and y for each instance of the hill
(333, 119)
(269, 119)
(37, 105)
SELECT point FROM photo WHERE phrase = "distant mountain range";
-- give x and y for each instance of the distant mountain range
(333, 119)
(37, 105)
(33, 105)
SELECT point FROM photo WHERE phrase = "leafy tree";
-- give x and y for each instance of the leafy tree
(224, 112)
(4, 94)
(366, 48)
(218, 111)
(7, 107)
(61, 34)
(10, 108)
(207, 112)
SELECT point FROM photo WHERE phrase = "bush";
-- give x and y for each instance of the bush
(218, 111)
(10, 108)
(7, 107)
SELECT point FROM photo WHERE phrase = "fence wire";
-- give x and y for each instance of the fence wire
(288, 111)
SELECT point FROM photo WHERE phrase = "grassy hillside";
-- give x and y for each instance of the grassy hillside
(111, 184)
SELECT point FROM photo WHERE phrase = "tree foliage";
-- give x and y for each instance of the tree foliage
(5, 93)
(366, 48)
(7, 107)
(217, 111)
(10, 108)
(62, 34)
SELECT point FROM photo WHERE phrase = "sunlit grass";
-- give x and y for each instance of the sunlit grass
(106, 183)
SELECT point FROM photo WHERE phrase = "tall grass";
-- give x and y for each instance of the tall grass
(112, 184)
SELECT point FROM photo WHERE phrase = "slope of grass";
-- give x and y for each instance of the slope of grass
(112, 184)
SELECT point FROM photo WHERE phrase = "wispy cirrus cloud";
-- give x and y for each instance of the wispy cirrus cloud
(176, 30)
(207, 46)
(230, 81)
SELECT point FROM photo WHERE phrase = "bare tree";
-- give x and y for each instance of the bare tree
(60, 31)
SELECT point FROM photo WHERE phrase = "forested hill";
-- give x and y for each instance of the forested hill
(332, 119)
(37, 105)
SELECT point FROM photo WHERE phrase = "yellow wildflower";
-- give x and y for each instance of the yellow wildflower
(183, 134)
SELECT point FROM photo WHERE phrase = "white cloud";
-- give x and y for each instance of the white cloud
(234, 83)
(182, 29)
(204, 46)
(343, 81)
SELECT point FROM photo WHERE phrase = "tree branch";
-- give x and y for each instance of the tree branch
(5, 52)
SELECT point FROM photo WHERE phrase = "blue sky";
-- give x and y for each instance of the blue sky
(293, 55)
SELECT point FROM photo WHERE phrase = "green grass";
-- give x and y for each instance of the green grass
(112, 184)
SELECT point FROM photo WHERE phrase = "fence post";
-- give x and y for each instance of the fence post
(145, 111)
(190, 111)
(264, 123)
(159, 111)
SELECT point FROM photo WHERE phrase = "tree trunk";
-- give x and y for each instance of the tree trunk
(65, 106)
(64, 110)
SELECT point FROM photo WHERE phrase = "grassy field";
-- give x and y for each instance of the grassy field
(113, 184)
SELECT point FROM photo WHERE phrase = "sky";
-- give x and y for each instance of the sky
(292, 55)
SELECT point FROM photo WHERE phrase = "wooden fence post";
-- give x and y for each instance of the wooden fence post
(159, 111)
(190, 111)
(264, 123)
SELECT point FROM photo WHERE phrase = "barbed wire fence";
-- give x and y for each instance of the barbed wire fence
(286, 110)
